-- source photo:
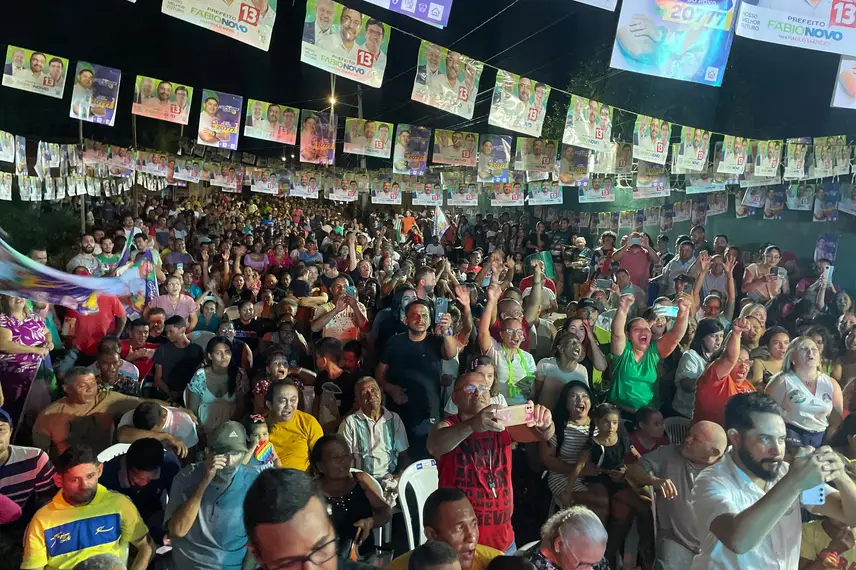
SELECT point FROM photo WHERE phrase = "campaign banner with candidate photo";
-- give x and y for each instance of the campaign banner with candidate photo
(455, 147)
(820, 25)
(844, 90)
(271, 122)
(717, 204)
(494, 158)
(518, 104)
(342, 192)
(265, 181)
(800, 196)
(841, 156)
(652, 181)
(734, 155)
(573, 167)
(545, 193)
(826, 199)
(506, 194)
(826, 247)
(699, 210)
(7, 147)
(160, 99)
(344, 41)
(796, 158)
(588, 124)
(189, 170)
(304, 186)
(689, 40)
(229, 176)
(410, 155)
(768, 157)
(824, 156)
(703, 182)
(446, 79)
(368, 138)
(597, 190)
(386, 194)
(95, 93)
(847, 204)
(626, 219)
(652, 216)
(604, 4)
(535, 155)
(219, 119)
(651, 139)
(774, 203)
(35, 71)
(462, 194)
(623, 158)
(248, 21)
(667, 217)
(428, 195)
(692, 150)
(317, 137)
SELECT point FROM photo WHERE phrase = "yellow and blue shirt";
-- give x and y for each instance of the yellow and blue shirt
(61, 535)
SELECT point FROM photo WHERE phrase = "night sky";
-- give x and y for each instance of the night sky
(769, 91)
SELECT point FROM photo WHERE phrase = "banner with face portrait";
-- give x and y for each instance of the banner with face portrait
(455, 147)
(463, 194)
(266, 181)
(699, 210)
(368, 138)
(688, 40)
(841, 156)
(826, 198)
(219, 119)
(447, 80)
(345, 42)
(535, 155)
(800, 196)
(734, 155)
(506, 194)
(768, 158)
(667, 217)
(796, 158)
(825, 149)
(230, 176)
(692, 150)
(410, 155)
(160, 99)
(703, 182)
(545, 193)
(622, 158)
(844, 90)
(651, 139)
(188, 169)
(588, 124)
(494, 158)
(95, 93)
(343, 191)
(7, 147)
(821, 25)
(847, 203)
(35, 71)
(428, 195)
(604, 4)
(317, 137)
(271, 122)
(573, 167)
(652, 181)
(304, 185)
(519, 104)
(386, 194)
(652, 216)
(248, 21)
(601, 189)
(774, 202)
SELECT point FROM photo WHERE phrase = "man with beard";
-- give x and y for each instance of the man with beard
(86, 258)
(205, 502)
(747, 505)
(350, 22)
(163, 94)
(84, 519)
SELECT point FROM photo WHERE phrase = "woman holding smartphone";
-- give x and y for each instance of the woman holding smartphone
(764, 281)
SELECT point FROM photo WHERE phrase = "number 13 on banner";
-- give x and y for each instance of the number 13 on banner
(249, 14)
(843, 13)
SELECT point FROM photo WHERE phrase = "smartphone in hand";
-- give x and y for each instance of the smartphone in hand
(516, 415)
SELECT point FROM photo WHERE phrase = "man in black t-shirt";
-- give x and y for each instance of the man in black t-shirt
(250, 329)
(176, 361)
(328, 358)
(330, 272)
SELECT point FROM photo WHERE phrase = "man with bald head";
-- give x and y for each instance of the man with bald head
(672, 470)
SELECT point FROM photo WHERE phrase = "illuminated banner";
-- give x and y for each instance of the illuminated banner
(588, 124)
(821, 25)
(96, 91)
(343, 41)
(545, 193)
(463, 194)
(574, 166)
(518, 104)
(35, 71)
(435, 12)
(535, 155)
(494, 158)
(248, 21)
(219, 119)
(687, 40)
(447, 80)
(651, 139)
(410, 155)
(506, 194)
(429, 195)
(369, 138)
(164, 100)
(692, 151)
(271, 122)
(454, 147)
(317, 137)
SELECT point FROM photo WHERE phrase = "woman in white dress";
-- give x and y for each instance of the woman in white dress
(218, 391)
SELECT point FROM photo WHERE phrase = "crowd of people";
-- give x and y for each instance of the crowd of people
(661, 402)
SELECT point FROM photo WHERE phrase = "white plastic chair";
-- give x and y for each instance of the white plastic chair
(113, 452)
(677, 428)
(201, 338)
(232, 312)
(423, 478)
(384, 534)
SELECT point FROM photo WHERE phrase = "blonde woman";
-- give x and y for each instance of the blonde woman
(811, 400)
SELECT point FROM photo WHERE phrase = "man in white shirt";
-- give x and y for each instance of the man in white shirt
(207, 132)
(747, 506)
(37, 66)
(374, 39)
(350, 22)
(429, 74)
(256, 121)
(321, 33)
(81, 95)
(17, 68)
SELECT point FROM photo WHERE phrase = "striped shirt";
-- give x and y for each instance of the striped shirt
(27, 473)
(375, 445)
(575, 439)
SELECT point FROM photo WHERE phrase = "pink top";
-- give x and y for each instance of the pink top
(637, 264)
(184, 307)
(285, 263)
(259, 266)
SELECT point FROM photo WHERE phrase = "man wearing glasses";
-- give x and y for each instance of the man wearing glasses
(205, 504)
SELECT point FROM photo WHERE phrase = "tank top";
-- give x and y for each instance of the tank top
(803, 409)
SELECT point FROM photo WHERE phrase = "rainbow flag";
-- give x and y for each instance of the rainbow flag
(263, 452)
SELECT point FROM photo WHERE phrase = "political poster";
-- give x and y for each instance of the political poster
(741, 210)
(841, 156)
(271, 122)
(248, 21)
(435, 14)
(367, 138)
(774, 203)
(604, 4)
(699, 213)
(847, 204)
(545, 194)
(626, 219)
(410, 155)
(35, 71)
(462, 194)
(844, 90)
(189, 170)
(733, 157)
(826, 199)
(95, 93)
(692, 150)
(768, 158)
(345, 42)
(446, 80)
(667, 217)
(231, 176)
(494, 158)
(386, 194)
(717, 204)
(344, 191)
(219, 119)
(518, 104)
(428, 195)
(573, 168)
(820, 25)
(160, 99)
(21, 156)
(535, 155)
(689, 41)
(703, 183)
(652, 181)
(588, 124)
(755, 197)
(826, 247)
(317, 137)
(607, 221)
(265, 181)
(455, 147)
(796, 158)
(7, 147)
(506, 194)
(651, 139)
(604, 161)
(800, 196)
(597, 190)
(652, 216)
(683, 210)
(623, 157)
(304, 186)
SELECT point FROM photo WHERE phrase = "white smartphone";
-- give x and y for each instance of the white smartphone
(814, 496)
(829, 271)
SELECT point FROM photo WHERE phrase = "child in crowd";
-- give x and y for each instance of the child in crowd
(261, 454)
(650, 432)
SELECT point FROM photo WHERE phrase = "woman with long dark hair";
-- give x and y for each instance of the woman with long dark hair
(707, 341)
(217, 392)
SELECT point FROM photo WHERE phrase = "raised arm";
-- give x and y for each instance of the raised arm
(619, 339)
(671, 338)
(352, 252)
(703, 264)
(730, 290)
(462, 294)
(593, 350)
(725, 363)
(532, 303)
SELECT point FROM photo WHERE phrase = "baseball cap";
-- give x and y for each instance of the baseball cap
(5, 417)
(204, 239)
(227, 438)
(683, 277)
(587, 303)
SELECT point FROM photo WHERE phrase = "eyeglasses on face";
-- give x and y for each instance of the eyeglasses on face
(513, 332)
(317, 556)
(471, 389)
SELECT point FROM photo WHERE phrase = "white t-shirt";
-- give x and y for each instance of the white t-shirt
(516, 366)
(802, 408)
(177, 423)
(555, 379)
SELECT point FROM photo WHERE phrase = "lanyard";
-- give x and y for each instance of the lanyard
(512, 389)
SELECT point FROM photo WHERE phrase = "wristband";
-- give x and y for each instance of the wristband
(830, 559)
